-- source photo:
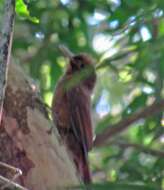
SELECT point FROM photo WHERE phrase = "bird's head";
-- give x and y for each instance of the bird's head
(80, 62)
(82, 67)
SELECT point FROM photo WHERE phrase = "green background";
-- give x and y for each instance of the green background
(126, 39)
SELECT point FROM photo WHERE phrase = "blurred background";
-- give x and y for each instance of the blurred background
(126, 39)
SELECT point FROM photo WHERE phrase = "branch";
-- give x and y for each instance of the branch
(119, 127)
(10, 184)
(6, 34)
(139, 147)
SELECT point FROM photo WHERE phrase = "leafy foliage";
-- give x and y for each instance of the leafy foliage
(22, 11)
(117, 186)
(126, 38)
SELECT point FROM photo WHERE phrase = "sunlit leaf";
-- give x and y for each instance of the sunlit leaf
(23, 12)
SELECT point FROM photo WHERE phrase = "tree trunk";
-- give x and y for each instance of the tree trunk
(25, 142)
(6, 33)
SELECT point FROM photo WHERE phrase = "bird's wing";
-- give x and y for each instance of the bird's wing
(80, 118)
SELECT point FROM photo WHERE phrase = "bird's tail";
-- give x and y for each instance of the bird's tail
(83, 169)
(86, 173)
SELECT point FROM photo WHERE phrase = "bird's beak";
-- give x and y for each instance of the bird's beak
(66, 52)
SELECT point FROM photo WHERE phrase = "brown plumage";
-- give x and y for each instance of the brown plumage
(71, 110)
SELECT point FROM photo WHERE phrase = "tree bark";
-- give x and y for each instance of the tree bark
(6, 34)
(25, 142)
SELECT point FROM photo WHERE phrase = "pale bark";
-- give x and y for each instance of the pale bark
(25, 142)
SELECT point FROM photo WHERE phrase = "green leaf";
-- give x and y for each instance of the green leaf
(23, 12)
(137, 103)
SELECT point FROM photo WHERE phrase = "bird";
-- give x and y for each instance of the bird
(71, 109)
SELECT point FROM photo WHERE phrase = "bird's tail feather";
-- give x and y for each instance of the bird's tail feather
(83, 167)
